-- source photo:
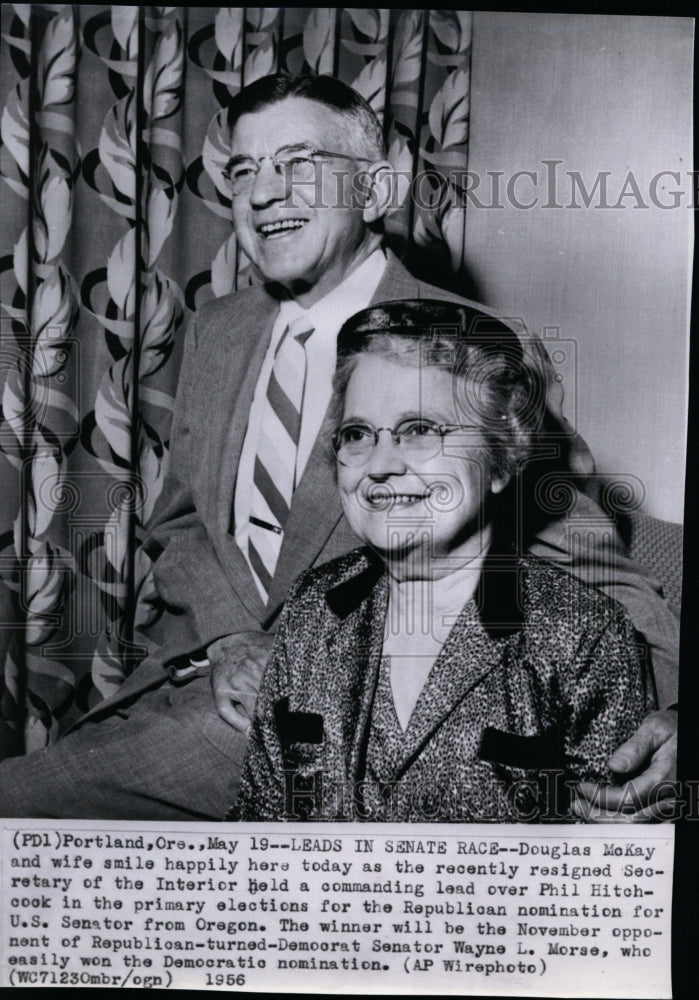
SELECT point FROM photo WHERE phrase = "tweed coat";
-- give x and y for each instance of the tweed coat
(538, 682)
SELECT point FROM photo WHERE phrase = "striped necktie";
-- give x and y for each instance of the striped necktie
(275, 473)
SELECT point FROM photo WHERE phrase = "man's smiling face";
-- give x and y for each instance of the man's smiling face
(307, 237)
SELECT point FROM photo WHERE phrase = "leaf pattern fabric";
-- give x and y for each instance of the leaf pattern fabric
(115, 229)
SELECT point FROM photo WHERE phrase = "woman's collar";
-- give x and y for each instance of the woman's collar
(498, 595)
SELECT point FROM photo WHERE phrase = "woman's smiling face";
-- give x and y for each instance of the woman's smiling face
(415, 513)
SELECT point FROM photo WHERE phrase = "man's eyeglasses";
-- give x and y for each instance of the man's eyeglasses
(296, 164)
(417, 438)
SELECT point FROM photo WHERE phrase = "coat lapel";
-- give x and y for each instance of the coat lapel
(466, 657)
(355, 640)
(366, 694)
(474, 647)
(358, 606)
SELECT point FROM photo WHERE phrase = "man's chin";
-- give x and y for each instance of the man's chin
(287, 275)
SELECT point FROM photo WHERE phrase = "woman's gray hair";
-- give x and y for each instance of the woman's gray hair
(496, 387)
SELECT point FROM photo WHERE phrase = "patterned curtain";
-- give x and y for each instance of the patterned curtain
(115, 229)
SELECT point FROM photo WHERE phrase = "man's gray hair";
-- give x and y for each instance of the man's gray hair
(327, 90)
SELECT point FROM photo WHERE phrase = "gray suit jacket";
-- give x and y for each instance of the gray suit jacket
(200, 573)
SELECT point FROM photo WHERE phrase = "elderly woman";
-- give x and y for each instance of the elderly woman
(433, 675)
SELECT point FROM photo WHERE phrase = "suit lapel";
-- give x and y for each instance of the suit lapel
(240, 353)
(315, 512)
(397, 282)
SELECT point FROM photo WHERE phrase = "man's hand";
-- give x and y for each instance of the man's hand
(237, 664)
(649, 761)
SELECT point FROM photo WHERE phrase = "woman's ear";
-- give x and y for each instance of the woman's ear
(498, 483)
(376, 190)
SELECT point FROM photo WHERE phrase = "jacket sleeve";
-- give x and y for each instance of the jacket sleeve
(605, 693)
(586, 544)
(200, 604)
(585, 541)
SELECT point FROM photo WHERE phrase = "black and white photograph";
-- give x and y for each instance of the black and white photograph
(344, 391)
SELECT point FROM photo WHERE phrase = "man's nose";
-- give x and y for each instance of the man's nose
(386, 458)
(269, 185)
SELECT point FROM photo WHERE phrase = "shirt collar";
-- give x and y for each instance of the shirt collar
(341, 302)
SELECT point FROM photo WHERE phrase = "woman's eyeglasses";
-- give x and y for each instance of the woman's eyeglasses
(417, 438)
(295, 164)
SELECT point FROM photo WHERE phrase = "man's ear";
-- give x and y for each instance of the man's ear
(377, 188)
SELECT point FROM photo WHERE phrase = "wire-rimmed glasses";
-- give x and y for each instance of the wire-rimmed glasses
(296, 164)
(418, 439)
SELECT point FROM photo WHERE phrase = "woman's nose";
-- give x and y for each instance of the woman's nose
(386, 458)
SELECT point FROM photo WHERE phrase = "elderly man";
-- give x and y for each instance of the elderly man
(249, 500)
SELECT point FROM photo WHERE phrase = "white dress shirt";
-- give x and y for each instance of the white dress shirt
(326, 317)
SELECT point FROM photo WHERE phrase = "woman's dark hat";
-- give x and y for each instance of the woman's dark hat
(434, 319)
